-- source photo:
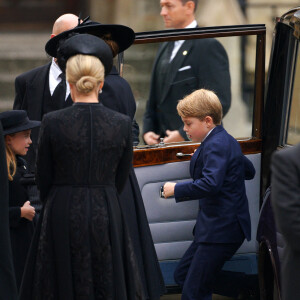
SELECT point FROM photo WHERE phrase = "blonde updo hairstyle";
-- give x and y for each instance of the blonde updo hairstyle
(86, 72)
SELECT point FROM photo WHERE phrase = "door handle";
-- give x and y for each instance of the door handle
(180, 154)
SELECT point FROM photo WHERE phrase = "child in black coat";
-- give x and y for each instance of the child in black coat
(16, 130)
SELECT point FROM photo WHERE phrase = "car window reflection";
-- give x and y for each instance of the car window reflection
(293, 134)
(140, 61)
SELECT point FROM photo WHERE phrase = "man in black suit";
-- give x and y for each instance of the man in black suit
(285, 196)
(179, 69)
(34, 90)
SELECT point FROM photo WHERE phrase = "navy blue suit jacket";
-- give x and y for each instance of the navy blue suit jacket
(219, 170)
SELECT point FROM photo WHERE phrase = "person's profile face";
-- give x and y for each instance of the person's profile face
(173, 13)
(19, 142)
(195, 129)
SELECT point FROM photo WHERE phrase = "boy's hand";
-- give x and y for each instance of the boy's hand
(169, 188)
(27, 211)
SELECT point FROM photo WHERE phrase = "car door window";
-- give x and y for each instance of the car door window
(239, 120)
(293, 129)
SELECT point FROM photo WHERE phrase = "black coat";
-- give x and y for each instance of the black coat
(81, 243)
(201, 63)
(118, 96)
(21, 229)
(8, 288)
(29, 92)
(285, 197)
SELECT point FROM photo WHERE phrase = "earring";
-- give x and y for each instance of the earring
(100, 91)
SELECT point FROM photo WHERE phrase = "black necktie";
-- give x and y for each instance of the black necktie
(170, 48)
(59, 94)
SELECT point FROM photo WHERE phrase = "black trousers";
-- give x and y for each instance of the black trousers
(199, 268)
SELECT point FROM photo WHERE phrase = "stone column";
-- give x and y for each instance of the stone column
(103, 11)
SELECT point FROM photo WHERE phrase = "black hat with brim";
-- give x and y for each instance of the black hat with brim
(14, 121)
(124, 36)
(85, 44)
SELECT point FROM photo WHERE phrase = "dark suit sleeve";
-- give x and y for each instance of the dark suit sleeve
(126, 161)
(150, 118)
(213, 174)
(249, 168)
(19, 93)
(14, 216)
(214, 72)
(135, 132)
(285, 195)
(150, 122)
(44, 169)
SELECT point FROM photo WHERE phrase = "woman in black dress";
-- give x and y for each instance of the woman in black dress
(83, 250)
(117, 95)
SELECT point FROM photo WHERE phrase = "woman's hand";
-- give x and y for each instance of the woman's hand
(169, 188)
(27, 211)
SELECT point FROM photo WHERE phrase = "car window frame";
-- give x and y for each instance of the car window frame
(286, 111)
(277, 98)
(165, 153)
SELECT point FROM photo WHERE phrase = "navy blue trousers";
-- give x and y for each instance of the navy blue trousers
(199, 268)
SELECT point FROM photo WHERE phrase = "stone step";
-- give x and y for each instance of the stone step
(21, 52)
(6, 104)
(7, 89)
(23, 45)
(19, 65)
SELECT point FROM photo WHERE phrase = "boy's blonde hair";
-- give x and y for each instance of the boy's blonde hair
(86, 72)
(200, 104)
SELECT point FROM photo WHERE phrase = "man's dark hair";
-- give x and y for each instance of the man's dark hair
(195, 1)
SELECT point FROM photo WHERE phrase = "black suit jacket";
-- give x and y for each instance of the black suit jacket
(29, 92)
(197, 64)
(285, 197)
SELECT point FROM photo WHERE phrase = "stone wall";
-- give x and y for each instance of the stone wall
(141, 15)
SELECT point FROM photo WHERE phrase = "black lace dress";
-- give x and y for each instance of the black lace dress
(81, 249)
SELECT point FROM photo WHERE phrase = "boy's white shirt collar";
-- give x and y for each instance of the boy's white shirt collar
(208, 134)
(54, 78)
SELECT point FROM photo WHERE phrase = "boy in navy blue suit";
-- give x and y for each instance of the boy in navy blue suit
(218, 169)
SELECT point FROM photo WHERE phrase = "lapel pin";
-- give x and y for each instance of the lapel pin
(184, 52)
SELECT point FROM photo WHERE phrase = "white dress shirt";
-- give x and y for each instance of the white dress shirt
(54, 78)
(178, 44)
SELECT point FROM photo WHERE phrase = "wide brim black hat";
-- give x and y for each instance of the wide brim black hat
(14, 121)
(124, 36)
(84, 44)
